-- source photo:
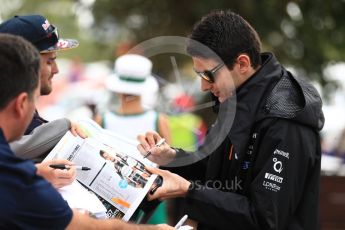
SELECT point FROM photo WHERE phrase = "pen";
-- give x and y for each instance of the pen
(179, 224)
(159, 143)
(62, 166)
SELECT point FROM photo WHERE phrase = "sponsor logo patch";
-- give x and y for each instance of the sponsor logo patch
(273, 177)
(271, 186)
(277, 166)
(281, 153)
(45, 25)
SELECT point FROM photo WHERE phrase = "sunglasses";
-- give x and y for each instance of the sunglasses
(53, 33)
(209, 75)
(49, 39)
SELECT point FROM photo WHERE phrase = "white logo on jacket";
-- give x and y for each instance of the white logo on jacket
(274, 177)
(277, 166)
(281, 153)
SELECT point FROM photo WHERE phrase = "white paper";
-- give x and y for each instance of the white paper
(80, 198)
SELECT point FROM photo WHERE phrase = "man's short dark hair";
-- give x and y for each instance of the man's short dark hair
(19, 68)
(227, 34)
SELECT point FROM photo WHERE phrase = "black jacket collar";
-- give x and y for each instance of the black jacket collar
(250, 100)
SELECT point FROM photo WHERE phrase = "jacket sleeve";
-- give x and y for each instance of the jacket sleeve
(285, 155)
(41, 140)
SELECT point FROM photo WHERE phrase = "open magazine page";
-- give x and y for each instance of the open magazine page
(117, 178)
(114, 139)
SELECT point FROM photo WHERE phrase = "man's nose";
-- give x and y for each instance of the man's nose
(55, 69)
(205, 85)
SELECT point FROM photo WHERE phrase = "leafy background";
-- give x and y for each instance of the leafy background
(305, 34)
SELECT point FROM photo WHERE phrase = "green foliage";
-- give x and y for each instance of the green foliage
(308, 41)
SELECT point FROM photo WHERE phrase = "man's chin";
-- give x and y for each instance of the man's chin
(221, 99)
(45, 91)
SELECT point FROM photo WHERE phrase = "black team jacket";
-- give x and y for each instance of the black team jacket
(265, 172)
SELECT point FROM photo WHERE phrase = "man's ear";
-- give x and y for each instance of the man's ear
(20, 105)
(244, 62)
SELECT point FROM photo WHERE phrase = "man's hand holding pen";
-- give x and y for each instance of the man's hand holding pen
(158, 151)
(158, 144)
(154, 147)
(57, 177)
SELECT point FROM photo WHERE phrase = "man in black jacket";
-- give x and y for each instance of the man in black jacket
(260, 165)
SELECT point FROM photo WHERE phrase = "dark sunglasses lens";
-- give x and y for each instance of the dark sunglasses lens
(53, 35)
(203, 76)
(209, 76)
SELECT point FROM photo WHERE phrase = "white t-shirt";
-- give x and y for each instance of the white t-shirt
(131, 125)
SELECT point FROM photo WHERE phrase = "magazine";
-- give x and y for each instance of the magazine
(117, 174)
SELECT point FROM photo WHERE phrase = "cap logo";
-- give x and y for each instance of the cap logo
(46, 25)
(62, 44)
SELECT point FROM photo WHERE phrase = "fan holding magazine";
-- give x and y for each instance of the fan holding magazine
(117, 175)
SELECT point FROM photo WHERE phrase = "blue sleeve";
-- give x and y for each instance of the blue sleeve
(30, 202)
(42, 207)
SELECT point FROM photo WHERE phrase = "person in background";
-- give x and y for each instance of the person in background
(41, 136)
(187, 129)
(264, 172)
(131, 80)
